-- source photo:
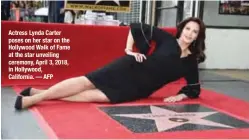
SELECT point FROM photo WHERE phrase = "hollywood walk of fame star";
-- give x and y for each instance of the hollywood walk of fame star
(167, 119)
(116, 1)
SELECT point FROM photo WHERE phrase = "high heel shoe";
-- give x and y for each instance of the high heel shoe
(18, 103)
(26, 92)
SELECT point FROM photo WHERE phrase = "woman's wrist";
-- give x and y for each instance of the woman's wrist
(129, 52)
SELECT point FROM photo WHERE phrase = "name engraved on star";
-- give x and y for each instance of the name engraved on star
(169, 115)
(182, 115)
(153, 116)
(32, 51)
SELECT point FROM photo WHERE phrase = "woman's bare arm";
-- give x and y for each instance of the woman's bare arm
(129, 51)
(129, 44)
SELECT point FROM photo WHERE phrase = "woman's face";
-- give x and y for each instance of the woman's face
(190, 32)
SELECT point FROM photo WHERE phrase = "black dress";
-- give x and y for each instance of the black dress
(125, 79)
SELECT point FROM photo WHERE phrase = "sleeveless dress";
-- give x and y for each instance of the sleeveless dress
(125, 79)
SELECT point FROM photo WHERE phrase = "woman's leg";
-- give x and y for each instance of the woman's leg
(85, 96)
(62, 89)
(92, 95)
(34, 91)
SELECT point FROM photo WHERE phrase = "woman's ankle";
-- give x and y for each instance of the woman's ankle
(34, 91)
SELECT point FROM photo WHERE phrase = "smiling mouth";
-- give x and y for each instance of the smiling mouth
(189, 38)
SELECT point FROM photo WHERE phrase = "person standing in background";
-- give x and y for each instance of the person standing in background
(61, 11)
(5, 12)
(56, 11)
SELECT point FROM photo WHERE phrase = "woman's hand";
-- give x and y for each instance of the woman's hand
(176, 98)
(138, 56)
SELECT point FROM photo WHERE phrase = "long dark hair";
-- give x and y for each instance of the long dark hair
(198, 46)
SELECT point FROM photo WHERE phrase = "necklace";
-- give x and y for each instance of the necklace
(151, 33)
